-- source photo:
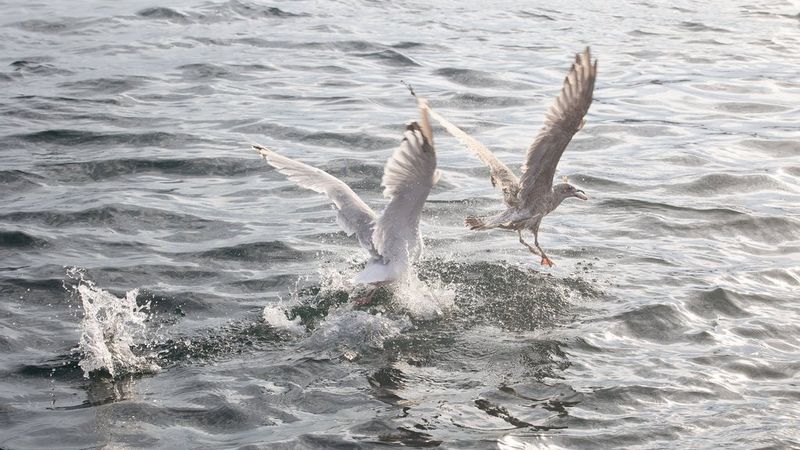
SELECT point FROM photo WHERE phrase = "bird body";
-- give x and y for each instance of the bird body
(532, 196)
(393, 238)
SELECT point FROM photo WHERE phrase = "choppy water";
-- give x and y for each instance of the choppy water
(132, 209)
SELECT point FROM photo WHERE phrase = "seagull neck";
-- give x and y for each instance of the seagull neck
(555, 199)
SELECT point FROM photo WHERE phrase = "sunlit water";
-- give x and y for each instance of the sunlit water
(160, 286)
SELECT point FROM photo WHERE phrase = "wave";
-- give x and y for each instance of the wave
(478, 78)
(81, 172)
(718, 302)
(96, 86)
(475, 101)
(232, 9)
(38, 66)
(70, 25)
(674, 210)
(15, 181)
(766, 229)
(726, 183)
(356, 140)
(73, 138)
(389, 57)
(271, 251)
(775, 148)
(163, 13)
(19, 239)
(123, 217)
(655, 323)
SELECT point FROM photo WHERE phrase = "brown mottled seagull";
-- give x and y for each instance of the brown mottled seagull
(392, 239)
(534, 196)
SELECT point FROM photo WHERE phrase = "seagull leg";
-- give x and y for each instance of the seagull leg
(532, 249)
(545, 260)
(366, 299)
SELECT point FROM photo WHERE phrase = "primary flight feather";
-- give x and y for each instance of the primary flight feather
(393, 238)
(532, 196)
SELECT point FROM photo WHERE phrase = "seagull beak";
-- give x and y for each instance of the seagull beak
(581, 195)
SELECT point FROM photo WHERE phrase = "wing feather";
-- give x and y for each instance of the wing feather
(408, 178)
(499, 173)
(564, 118)
(353, 215)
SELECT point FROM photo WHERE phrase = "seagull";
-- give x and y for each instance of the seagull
(392, 239)
(530, 198)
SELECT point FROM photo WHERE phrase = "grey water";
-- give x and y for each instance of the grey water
(161, 287)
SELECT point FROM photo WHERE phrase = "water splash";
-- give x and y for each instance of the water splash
(352, 333)
(277, 316)
(425, 300)
(109, 329)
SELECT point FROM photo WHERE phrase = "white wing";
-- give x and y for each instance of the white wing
(354, 216)
(408, 178)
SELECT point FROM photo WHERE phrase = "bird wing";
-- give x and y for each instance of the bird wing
(407, 180)
(499, 173)
(563, 120)
(353, 215)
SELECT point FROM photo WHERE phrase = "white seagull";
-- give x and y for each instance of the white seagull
(534, 196)
(392, 239)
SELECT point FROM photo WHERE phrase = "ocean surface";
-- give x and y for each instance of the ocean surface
(162, 287)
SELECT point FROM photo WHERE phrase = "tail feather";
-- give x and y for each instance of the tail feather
(475, 223)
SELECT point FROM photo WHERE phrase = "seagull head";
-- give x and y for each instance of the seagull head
(566, 190)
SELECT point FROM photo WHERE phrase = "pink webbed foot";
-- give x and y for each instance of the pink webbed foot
(365, 300)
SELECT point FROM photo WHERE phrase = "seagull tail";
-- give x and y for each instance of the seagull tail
(475, 223)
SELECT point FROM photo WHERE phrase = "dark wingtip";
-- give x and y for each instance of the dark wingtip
(410, 88)
(413, 126)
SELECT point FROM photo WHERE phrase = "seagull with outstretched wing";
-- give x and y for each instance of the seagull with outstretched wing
(533, 196)
(392, 239)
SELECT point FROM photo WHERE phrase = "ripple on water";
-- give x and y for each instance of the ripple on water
(19, 239)
(389, 57)
(476, 101)
(72, 138)
(655, 323)
(718, 302)
(162, 13)
(478, 78)
(688, 147)
(119, 217)
(356, 140)
(82, 172)
(38, 66)
(269, 251)
(217, 12)
(16, 181)
(750, 108)
(110, 86)
(727, 183)
(773, 147)
(61, 26)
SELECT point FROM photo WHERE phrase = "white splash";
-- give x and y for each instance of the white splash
(353, 332)
(276, 316)
(109, 329)
(423, 299)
